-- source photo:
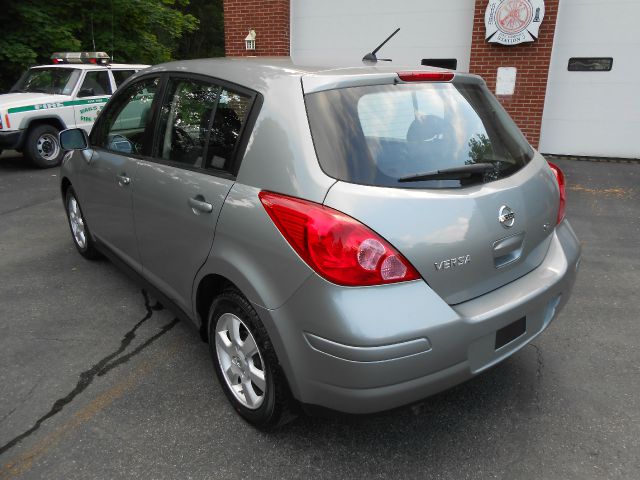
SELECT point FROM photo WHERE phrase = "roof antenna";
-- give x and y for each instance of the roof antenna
(371, 57)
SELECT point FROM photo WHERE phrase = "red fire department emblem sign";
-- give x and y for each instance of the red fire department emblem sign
(510, 22)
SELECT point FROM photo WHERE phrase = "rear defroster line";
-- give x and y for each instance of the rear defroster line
(101, 368)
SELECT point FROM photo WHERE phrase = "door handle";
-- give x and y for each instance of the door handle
(123, 180)
(199, 205)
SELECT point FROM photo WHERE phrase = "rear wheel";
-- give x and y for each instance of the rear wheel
(79, 228)
(42, 146)
(246, 364)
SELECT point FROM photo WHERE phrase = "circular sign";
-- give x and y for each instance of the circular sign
(510, 22)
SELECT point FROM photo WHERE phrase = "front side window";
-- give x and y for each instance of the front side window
(185, 120)
(389, 135)
(53, 81)
(122, 125)
(95, 84)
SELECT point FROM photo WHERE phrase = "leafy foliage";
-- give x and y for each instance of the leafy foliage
(134, 31)
(208, 40)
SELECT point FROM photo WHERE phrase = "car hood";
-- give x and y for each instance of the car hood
(15, 100)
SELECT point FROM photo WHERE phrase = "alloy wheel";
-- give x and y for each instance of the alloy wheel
(240, 361)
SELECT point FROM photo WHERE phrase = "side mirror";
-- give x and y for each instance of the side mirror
(74, 139)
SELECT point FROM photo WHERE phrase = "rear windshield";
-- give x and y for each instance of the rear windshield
(379, 135)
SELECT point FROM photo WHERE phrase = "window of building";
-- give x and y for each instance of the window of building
(450, 63)
(590, 64)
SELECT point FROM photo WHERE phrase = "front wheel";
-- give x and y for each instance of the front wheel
(42, 146)
(79, 228)
(246, 364)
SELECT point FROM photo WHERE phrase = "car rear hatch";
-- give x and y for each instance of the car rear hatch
(436, 167)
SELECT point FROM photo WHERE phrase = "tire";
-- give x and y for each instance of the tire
(42, 146)
(79, 229)
(264, 404)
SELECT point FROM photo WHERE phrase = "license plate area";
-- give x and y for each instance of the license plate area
(509, 333)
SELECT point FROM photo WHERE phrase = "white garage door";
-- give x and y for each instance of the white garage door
(594, 113)
(341, 32)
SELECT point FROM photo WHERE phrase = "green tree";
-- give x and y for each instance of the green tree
(140, 31)
(208, 40)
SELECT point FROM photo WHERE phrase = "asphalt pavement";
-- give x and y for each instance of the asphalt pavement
(98, 381)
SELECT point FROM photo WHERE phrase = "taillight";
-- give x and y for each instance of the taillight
(336, 246)
(425, 76)
(563, 193)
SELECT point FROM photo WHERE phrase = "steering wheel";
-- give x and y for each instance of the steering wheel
(120, 143)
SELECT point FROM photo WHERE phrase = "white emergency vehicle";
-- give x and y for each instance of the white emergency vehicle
(48, 98)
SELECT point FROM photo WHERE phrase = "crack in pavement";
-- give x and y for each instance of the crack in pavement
(26, 397)
(28, 205)
(105, 365)
(539, 368)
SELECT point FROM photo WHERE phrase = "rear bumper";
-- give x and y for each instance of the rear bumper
(11, 140)
(363, 350)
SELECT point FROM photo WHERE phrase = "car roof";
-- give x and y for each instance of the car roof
(256, 72)
(90, 66)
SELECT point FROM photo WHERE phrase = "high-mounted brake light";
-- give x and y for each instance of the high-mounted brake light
(336, 246)
(563, 192)
(425, 76)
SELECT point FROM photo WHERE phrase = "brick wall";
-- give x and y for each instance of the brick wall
(270, 20)
(532, 61)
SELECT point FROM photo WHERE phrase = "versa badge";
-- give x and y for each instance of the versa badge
(452, 262)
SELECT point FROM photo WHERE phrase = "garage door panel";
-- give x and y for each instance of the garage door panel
(583, 137)
(593, 101)
(591, 23)
(340, 32)
(594, 113)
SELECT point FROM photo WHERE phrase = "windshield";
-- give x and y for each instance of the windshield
(54, 81)
(385, 135)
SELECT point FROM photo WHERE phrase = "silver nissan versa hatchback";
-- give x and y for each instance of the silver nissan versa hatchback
(351, 239)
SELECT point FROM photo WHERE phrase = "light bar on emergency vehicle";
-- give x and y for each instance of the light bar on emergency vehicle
(98, 58)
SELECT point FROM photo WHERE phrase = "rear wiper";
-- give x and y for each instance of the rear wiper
(456, 173)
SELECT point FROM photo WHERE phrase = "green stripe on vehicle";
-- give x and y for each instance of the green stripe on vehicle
(50, 105)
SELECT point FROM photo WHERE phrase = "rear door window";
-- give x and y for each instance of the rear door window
(95, 84)
(185, 120)
(121, 75)
(377, 135)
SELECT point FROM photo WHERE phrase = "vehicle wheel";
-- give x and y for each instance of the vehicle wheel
(246, 364)
(42, 146)
(79, 228)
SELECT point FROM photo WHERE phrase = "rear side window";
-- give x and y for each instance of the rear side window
(231, 115)
(377, 135)
(121, 75)
(95, 84)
